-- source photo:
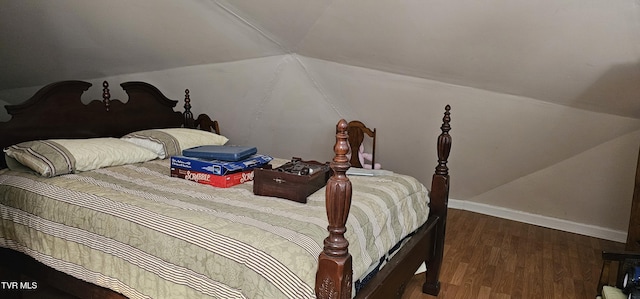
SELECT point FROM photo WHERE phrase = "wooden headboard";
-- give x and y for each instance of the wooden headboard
(59, 106)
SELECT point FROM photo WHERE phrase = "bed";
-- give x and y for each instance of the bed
(131, 230)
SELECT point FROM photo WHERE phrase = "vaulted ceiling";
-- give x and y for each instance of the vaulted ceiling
(578, 53)
(545, 93)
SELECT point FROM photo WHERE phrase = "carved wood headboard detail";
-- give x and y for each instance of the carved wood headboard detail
(59, 106)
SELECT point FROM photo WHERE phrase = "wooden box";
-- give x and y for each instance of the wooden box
(295, 180)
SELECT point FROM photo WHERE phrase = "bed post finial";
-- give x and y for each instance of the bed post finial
(188, 115)
(444, 143)
(338, 195)
(334, 276)
(106, 95)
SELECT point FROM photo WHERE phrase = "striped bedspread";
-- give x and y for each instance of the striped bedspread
(144, 234)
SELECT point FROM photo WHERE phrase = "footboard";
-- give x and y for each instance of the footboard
(334, 276)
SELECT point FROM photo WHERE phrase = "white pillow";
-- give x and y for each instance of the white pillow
(54, 157)
(171, 142)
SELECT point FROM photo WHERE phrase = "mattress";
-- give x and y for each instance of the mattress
(136, 230)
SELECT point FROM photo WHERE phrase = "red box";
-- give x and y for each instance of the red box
(222, 181)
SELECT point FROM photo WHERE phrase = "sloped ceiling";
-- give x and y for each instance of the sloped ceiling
(545, 93)
(577, 53)
(44, 41)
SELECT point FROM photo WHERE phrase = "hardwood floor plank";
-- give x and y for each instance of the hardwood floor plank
(517, 290)
(489, 257)
(485, 293)
(459, 274)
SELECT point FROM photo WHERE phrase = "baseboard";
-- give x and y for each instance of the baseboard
(544, 221)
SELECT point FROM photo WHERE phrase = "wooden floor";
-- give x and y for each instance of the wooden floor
(489, 257)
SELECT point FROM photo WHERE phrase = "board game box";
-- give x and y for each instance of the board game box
(220, 152)
(218, 167)
(222, 181)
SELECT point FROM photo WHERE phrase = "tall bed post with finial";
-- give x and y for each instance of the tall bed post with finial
(438, 202)
(203, 122)
(334, 276)
(188, 115)
(106, 95)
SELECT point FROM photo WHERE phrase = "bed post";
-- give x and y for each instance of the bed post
(439, 197)
(106, 95)
(334, 276)
(188, 115)
(203, 122)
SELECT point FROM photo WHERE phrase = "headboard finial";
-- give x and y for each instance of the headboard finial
(106, 95)
(188, 115)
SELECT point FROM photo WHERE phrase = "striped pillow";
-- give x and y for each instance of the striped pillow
(55, 157)
(172, 141)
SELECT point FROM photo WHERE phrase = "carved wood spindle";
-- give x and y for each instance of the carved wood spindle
(438, 203)
(444, 143)
(188, 115)
(334, 276)
(106, 95)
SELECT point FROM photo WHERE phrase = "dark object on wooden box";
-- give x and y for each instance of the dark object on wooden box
(294, 180)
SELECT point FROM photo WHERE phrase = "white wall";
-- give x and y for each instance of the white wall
(509, 152)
